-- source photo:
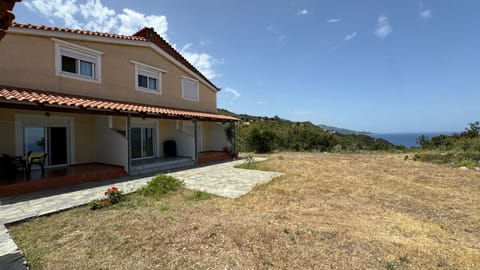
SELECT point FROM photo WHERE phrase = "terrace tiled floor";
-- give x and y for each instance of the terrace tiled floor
(219, 179)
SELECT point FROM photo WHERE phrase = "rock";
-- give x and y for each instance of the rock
(477, 168)
(463, 168)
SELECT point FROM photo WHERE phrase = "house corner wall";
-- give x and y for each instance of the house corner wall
(111, 147)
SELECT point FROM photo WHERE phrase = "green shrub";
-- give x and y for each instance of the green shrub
(261, 141)
(199, 196)
(468, 159)
(161, 185)
(114, 196)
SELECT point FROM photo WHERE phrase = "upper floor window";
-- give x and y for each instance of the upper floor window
(148, 78)
(77, 62)
(190, 89)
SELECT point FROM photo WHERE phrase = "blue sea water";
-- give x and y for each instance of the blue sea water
(407, 139)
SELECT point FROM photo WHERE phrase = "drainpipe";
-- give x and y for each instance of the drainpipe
(129, 142)
(196, 144)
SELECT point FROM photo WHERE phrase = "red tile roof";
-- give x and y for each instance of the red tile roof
(75, 31)
(6, 15)
(52, 98)
(146, 34)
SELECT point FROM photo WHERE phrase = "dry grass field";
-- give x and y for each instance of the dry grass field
(330, 211)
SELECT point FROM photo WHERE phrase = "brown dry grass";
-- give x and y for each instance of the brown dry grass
(330, 211)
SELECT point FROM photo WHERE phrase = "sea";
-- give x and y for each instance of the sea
(407, 139)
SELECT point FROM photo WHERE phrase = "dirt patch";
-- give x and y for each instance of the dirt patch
(359, 211)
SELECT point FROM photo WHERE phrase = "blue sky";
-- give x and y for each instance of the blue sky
(372, 65)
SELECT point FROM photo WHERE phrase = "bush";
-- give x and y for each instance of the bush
(161, 185)
(261, 141)
(199, 196)
(114, 196)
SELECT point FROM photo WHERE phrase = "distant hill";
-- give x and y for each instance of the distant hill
(286, 135)
(343, 130)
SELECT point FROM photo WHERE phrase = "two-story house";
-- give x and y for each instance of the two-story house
(87, 97)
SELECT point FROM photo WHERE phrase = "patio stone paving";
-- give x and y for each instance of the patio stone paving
(220, 179)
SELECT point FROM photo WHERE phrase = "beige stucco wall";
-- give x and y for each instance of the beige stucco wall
(83, 125)
(33, 57)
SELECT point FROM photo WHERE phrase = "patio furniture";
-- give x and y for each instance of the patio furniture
(37, 158)
(10, 165)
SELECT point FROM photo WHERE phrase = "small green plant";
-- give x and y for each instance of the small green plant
(249, 160)
(199, 196)
(405, 157)
(390, 265)
(113, 196)
(161, 185)
(403, 259)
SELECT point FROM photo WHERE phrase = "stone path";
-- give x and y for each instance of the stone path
(219, 179)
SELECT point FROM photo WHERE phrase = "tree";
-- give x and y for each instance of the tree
(473, 131)
(261, 141)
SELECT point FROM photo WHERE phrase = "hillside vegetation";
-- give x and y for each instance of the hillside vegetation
(461, 149)
(266, 134)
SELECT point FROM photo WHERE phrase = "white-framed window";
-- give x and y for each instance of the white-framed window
(148, 78)
(77, 62)
(190, 89)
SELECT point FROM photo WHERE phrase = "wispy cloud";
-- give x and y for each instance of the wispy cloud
(93, 15)
(334, 20)
(231, 94)
(206, 42)
(260, 102)
(383, 28)
(302, 12)
(426, 14)
(280, 37)
(350, 36)
(202, 61)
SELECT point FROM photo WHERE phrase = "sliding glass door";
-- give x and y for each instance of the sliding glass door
(142, 142)
(50, 140)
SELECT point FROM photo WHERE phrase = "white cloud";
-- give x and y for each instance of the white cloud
(93, 15)
(132, 21)
(426, 14)
(235, 94)
(351, 36)
(302, 12)
(261, 102)
(334, 20)
(206, 42)
(61, 9)
(383, 28)
(97, 16)
(202, 61)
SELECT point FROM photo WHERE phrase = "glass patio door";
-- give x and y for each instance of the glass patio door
(142, 142)
(50, 140)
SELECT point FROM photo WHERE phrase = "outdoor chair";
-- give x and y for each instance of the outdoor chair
(37, 158)
(10, 165)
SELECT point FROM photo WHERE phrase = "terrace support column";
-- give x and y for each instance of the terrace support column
(196, 141)
(129, 142)
(234, 138)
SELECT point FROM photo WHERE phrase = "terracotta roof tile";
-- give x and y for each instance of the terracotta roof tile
(75, 31)
(53, 98)
(146, 34)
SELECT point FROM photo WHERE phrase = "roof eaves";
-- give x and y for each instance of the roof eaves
(6, 15)
(150, 35)
(43, 98)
